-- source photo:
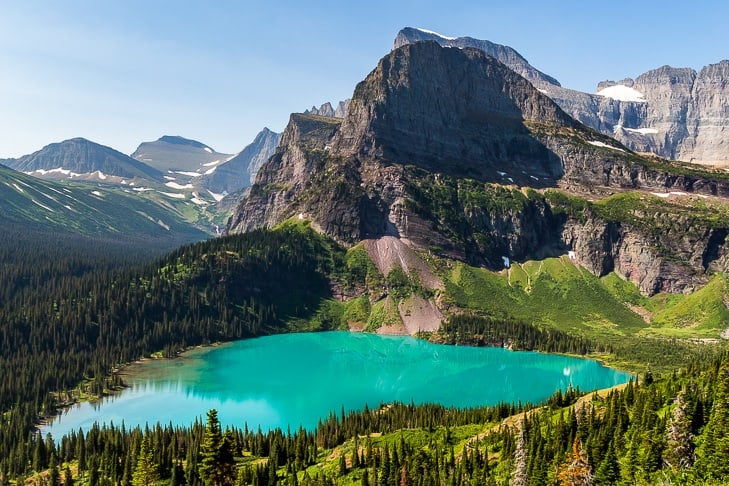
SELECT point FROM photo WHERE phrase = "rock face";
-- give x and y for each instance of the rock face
(80, 158)
(675, 113)
(440, 147)
(512, 59)
(240, 171)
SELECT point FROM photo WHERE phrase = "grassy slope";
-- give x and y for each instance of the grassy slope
(88, 209)
(558, 293)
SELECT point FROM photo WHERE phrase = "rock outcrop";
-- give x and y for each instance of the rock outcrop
(441, 148)
(327, 110)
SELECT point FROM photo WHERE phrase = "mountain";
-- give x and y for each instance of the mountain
(90, 210)
(512, 59)
(240, 171)
(174, 153)
(676, 113)
(327, 110)
(442, 149)
(79, 158)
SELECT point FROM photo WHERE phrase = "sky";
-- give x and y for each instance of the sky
(129, 71)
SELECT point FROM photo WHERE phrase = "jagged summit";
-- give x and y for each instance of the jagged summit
(436, 108)
(676, 113)
(505, 54)
(441, 147)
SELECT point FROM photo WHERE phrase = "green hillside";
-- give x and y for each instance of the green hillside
(89, 209)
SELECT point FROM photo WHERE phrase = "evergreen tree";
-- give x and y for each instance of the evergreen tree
(216, 454)
(145, 473)
(713, 454)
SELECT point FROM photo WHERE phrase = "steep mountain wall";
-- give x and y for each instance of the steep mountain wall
(450, 151)
(676, 113)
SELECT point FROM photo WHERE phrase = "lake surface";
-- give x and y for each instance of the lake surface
(297, 379)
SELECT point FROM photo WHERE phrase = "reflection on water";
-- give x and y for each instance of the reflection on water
(298, 379)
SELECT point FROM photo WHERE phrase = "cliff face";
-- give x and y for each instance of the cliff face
(441, 148)
(676, 113)
(240, 171)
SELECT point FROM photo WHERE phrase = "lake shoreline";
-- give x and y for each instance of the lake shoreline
(404, 390)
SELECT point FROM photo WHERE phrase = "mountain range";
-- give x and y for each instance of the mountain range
(676, 113)
(450, 151)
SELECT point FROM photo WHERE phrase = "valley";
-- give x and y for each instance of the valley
(460, 197)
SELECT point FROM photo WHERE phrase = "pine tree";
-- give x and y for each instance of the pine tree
(608, 472)
(145, 473)
(216, 453)
(67, 478)
(712, 457)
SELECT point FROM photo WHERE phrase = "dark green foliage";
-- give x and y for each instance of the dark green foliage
(86, 322)
(488, 331)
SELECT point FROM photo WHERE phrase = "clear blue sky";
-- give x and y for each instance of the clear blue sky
(123, 72)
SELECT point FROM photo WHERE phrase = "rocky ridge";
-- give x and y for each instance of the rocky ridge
(79, 158)
(441, 148)
(327, 110)
(676, 113)
(240, 171)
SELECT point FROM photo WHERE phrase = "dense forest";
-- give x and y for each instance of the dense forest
(669, 431)
(74, 309)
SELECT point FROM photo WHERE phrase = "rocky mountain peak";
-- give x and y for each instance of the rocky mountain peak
(505, 54)
(434, 107)
(327, 110)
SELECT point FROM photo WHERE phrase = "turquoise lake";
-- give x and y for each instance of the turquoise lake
(297, 379)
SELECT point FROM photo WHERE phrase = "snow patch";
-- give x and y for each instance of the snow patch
(18, 187)
(214, 162)
(534, 177)
(506, 261)
(142, 189)
(170, 178)
(162, 223)
(435, 33)
(621, 92)
(198, 201)
(665, 195)
(101, 175)
(59, 170)
(217, 197)
(175, 195)
(502, 174)
(571, 255)
(510, 180)
(301, 216)
(42, 205)
(175, 185)
(188, 174)
(210, 171)
(604, 145)
(96, 193)
(208, 150)
(642, 131)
